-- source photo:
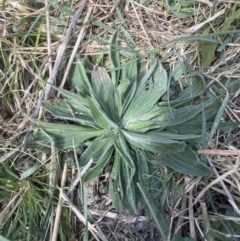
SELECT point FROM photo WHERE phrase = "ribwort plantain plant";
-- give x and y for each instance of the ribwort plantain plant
(128, 118)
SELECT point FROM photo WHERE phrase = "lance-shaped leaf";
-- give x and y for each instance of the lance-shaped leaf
(197, 128)
(154, 112)
(186, 162)
(189, 115)
(130, 74)
(97, 149)
(118, 104)
(63, 135)
(99, 115)
(70, 105)
(145, 100)
(115, 59)
(97, 169)
(158, 216)
(196, 89)
(123, 86)
(210, 112)
(144, 126)
(123, 150)
(153, 142)
(127, 188)
(174, 136)
(69, 110)
(130, 70)
(143, 169)
(168, 118)
(147, 121)
(103, 91)
(114, 190)
(79, 77)
(81, 101)
(144, 80)
(183, 114)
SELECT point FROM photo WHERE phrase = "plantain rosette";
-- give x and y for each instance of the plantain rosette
(127, 119)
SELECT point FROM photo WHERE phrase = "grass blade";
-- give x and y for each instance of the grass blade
(218, 117)
(153, 214)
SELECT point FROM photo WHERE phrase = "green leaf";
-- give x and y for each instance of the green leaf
(69, 110)
(3, 239)
(183, 239)
(78, 99)
(179, 116)
(127, 188)
(178, 71)
(196, 128)
(154, 112)
(99, 166)
(103, 91)
(231, 84)
(186, 162)
(206, 50)
(159, 221)
(145, 100)
(229, 20)
(30, 171)
(123, 86)
(115, 59)
(190, 138)
(79, 77)
(189, 93)
(123, 150)
(153, 142)
(63, 135)
(102, 85)
(96, 150)
(143, 171)
(69, 106)
(189, 115)
(130, 70)
(144, 80)
(99, 115)
(113, 183)
(130, 74)
(118, 103)
(210, 111)
(217, 119)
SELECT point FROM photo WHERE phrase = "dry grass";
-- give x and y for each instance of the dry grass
(31, 41)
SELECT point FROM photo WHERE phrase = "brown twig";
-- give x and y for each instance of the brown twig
(84, 170)
(79, 40)
(62, 49)
(81, 217)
